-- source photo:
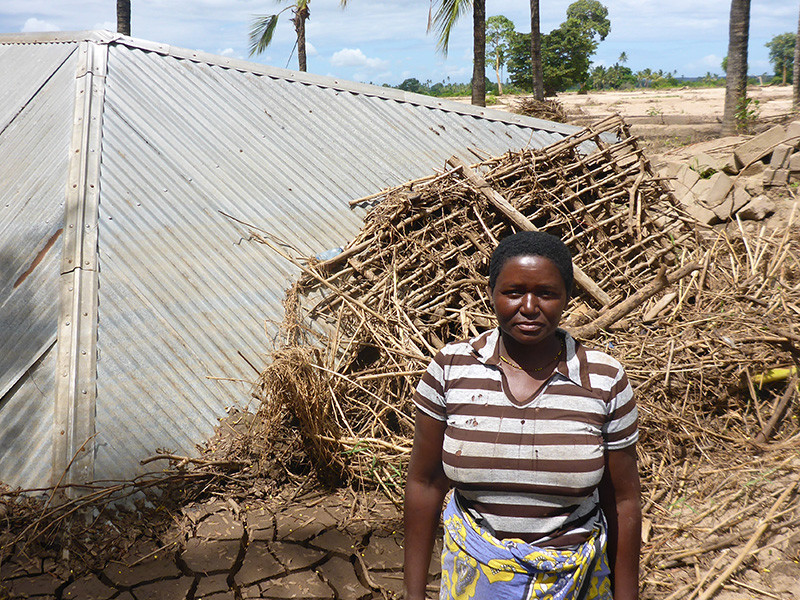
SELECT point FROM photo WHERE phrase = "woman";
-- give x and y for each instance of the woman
(536, 434)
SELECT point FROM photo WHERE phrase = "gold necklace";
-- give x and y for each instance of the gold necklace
(547, 364)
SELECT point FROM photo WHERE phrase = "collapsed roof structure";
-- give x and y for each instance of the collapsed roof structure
(132, 308)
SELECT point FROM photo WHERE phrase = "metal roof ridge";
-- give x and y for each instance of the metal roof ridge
(76, 358)
(101, 36)
(345, 85)
(108, 37)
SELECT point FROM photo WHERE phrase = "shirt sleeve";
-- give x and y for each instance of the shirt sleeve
(429, 395)
(621, 428)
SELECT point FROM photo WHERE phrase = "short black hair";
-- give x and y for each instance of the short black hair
(532, 243)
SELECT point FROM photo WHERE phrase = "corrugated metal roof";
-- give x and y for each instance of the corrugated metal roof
(34, 140)
(185, 302)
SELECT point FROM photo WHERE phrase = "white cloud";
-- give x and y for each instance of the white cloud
(107, 25)
(227, 52)
(310, 50)
(354, 57)
(710, 62)
(35, 25)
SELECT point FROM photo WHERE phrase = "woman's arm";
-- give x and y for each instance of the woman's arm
(620, 499)
(426, 487)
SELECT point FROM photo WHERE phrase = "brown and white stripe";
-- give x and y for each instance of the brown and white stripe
(529, 469)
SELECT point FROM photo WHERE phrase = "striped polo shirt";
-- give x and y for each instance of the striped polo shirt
(529, 469)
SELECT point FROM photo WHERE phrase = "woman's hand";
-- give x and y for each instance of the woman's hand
(426, 487)
(620, 499)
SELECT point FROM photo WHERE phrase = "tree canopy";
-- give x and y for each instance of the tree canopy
(499, 33)
(781, 55)
(566, 51)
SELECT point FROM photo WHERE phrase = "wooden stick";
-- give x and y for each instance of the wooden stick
(581, 278)
(617, 312)
(712, 589)
(779, 410)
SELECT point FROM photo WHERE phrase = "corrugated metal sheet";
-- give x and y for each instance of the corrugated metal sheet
(26, 427)
(186, 303)
(27, 72)
(181, 293)
(33, 164)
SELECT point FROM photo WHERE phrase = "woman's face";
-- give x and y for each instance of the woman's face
(529, 297)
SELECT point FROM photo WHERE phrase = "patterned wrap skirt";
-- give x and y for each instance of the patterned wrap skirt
(478, 566)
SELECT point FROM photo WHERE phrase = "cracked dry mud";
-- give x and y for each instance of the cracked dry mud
(223, 551)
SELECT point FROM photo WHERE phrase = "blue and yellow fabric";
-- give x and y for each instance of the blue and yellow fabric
(478, 566)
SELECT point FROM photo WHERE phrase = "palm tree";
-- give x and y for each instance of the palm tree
(446, 17)
(736, 75)
(537, 76)
(124, 17)
(263, 27)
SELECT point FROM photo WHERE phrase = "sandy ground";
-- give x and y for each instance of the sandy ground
(666, 118)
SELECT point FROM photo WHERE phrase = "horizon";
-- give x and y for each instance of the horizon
(381, 43)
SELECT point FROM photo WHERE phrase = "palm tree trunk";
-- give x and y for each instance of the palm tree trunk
(479, 52)
(300, 16)
(124, 17)
(796, 71)
(736, 78)
(536, 53)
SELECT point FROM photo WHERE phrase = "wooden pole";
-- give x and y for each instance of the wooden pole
(521, 221)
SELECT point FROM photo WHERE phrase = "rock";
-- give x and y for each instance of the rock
(670, 169)
(701, 189)
(720, 185)
(702, 215)
(757, 209)
(728, 164)
(740, 198)
(687, 176)
(753, 170)
(780, 156)
(754, 186)
(794, 163)
(775, 177)
(704, 164)
(793, 134)
(759, 146)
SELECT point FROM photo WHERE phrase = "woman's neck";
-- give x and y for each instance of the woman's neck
(531, 357)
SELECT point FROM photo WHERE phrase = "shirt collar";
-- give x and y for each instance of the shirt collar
(572, 365)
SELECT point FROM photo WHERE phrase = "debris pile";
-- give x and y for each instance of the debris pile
(548, 109)
(704, 322)
(735, 178)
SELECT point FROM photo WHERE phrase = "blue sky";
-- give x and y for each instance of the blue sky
(386, 42)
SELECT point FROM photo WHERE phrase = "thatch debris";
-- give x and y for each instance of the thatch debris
(695, 315)
(549, 109)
